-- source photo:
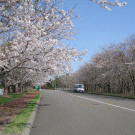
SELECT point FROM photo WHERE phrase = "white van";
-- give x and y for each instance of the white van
(78, 88)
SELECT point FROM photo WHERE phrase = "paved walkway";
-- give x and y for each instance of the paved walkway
(9, 110)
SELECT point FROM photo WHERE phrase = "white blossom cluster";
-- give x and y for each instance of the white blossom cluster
(34, 47)
(105, 3)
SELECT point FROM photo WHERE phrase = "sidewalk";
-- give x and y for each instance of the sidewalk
(9, 110)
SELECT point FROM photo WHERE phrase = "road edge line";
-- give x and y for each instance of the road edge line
(93, 100)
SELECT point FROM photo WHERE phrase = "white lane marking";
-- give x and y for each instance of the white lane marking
(105, 103)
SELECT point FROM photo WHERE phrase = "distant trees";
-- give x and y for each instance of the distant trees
(53, 83)
(109, 70)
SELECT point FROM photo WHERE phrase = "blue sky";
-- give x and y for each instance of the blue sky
(98, 28)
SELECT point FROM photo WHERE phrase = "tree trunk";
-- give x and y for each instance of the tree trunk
(9, 89)
(21, 89)
(127, 86)
(134, 88)
(16, 88)
(5, 90)
(13, 88)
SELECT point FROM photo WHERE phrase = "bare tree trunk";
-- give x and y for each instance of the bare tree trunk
(28, 88)
(21, 88)
(5, 90)
(134, 89)
(108, 87)
(16, 88)
(95, 88)
(9, 89)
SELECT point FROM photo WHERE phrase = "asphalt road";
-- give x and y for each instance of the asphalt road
(68, 113)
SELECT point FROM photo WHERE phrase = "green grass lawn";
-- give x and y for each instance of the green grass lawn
(13, 96)
(18, 123)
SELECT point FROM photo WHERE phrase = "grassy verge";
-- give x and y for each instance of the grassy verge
(66, 90)
(132, 96)
(129, 96)
(18, 123)
(50, 89)
(13, 96)
(126, 95)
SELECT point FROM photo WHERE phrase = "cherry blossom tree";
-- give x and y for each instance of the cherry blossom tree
(107, 4)
(108, 71)
(35, 31)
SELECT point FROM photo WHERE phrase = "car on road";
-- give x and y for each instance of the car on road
(78, 88)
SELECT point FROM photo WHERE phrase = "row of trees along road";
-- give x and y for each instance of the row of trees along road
(31, 33)
(110, 70)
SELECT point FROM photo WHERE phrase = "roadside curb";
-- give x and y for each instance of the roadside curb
(29, 123)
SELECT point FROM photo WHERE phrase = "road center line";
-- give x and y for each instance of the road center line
(105, 103)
